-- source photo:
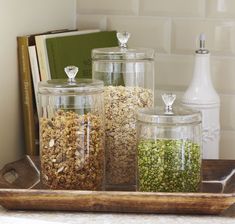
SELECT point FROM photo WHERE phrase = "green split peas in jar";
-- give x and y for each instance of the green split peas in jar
(169, 165)
(169, 149)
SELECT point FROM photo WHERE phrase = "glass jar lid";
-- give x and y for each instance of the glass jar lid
(169, 114)
(70, 85)
(122, 52)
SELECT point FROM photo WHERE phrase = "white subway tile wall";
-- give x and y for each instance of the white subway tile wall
(227, 142)
(227, 116)
(122, 7)
(92, 22)
(171, 27)
(219, 33)
(221, 8)
(141, 29)
(190, 8)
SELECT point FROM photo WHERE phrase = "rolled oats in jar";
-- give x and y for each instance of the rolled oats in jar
(128, 75)
(72, 133)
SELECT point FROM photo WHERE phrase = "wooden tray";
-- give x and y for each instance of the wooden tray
(20, 189)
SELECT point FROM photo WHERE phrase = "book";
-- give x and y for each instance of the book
(28, 103)
(34, 73)
(76, 50)
(33, 57)
(29, 107)
(42, 49)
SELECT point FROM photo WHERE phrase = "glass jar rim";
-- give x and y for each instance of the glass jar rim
(116, 53)
(64, 86)
(179, 116)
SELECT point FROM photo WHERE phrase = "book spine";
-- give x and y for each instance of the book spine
(42, 56)
(26, 95)
(35, 73)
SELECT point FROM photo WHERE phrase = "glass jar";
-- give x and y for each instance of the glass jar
(169, 148)
(72, 133)
(128, 75)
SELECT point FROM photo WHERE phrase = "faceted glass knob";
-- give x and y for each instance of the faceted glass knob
(168, 99)
(71, 71)
(123, 38)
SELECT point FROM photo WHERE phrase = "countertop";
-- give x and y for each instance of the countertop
(36, 217)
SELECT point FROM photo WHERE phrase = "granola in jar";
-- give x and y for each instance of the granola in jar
(72, 151)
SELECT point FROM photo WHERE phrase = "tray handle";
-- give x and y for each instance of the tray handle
(19, 174)
(224, 183)
(10, 173)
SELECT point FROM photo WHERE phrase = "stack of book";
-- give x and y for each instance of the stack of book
(44, 56)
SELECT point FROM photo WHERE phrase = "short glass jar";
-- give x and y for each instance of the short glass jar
(72, 133)
(169, 148)
(128, 76)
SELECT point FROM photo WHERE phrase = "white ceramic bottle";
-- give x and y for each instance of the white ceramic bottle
(201, 95)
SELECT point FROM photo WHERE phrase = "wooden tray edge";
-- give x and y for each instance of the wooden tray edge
(125, 202)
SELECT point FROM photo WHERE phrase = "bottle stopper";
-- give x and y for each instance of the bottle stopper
(202, 44)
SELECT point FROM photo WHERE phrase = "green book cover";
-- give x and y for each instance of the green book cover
(76, 50)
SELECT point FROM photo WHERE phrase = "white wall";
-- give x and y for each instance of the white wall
(171, 27)
(20, 17)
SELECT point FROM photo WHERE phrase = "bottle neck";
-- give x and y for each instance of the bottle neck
(201, 90)
(202, 73)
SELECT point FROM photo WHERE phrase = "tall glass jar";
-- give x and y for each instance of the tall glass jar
(169, 148)
(128, 75)
(72, 133)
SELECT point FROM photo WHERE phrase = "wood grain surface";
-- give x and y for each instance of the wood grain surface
(218, 179)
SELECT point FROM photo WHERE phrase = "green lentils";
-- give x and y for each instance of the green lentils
(168, 166)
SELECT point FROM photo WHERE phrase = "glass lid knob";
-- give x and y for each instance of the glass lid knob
(71, 71)
(168, 99)
(123, 38)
